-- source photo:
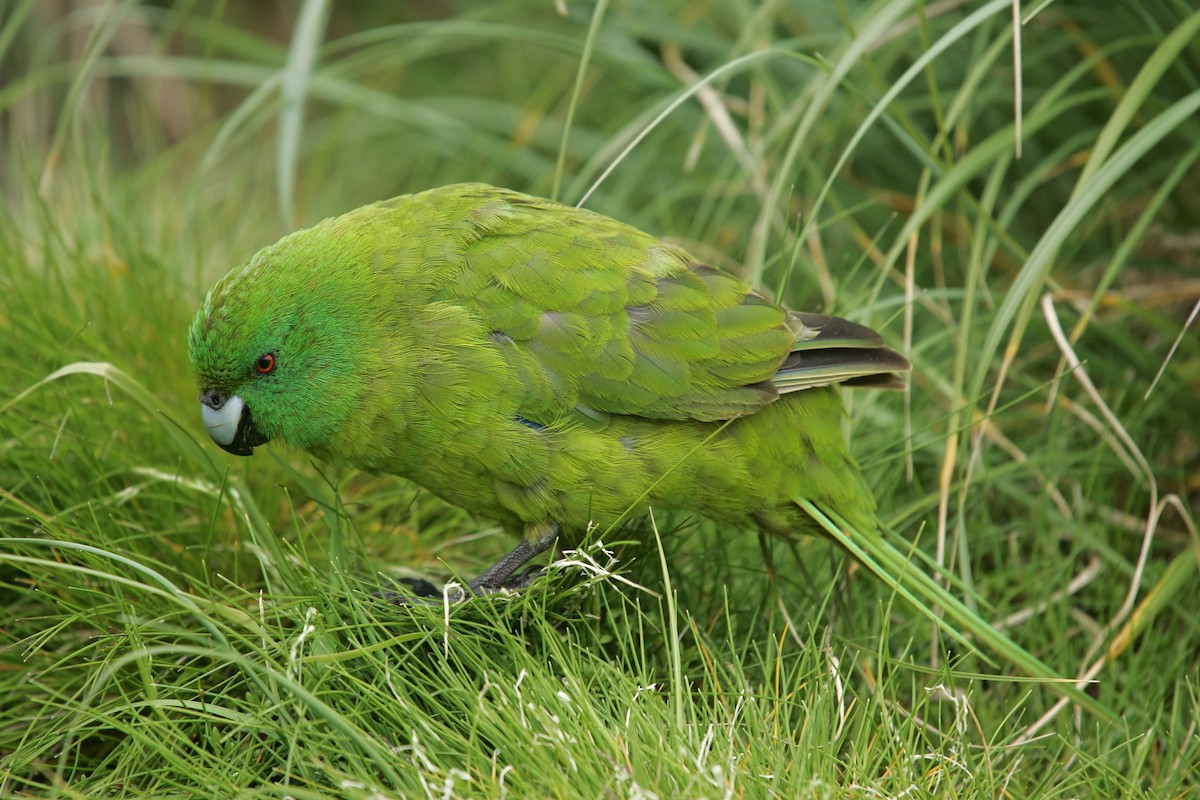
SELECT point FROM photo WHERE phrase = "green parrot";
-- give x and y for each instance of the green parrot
(544, 366)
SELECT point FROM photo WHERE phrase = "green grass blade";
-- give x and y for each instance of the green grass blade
(302, 55)
(895, 569)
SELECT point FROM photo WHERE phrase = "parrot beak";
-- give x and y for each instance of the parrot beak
(229, 422)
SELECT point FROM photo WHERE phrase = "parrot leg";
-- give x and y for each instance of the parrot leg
(501, 574)
(506, 573)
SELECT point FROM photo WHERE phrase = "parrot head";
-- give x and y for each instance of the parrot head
(280, 347)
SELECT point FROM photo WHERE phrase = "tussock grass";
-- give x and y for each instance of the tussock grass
(181, 623)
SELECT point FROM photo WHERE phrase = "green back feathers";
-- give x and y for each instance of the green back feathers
(602, 316)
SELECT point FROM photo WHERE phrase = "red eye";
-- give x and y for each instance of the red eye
(265, 364)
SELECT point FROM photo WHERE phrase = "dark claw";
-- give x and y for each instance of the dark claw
(523, 579)
(402, 591)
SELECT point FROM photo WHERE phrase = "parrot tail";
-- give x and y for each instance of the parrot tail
(832, 350)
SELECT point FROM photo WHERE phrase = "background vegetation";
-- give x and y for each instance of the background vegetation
(181, 623)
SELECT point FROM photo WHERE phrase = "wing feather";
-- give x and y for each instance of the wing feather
(596, 315)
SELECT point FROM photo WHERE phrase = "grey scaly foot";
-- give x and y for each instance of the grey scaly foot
(505, 574)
